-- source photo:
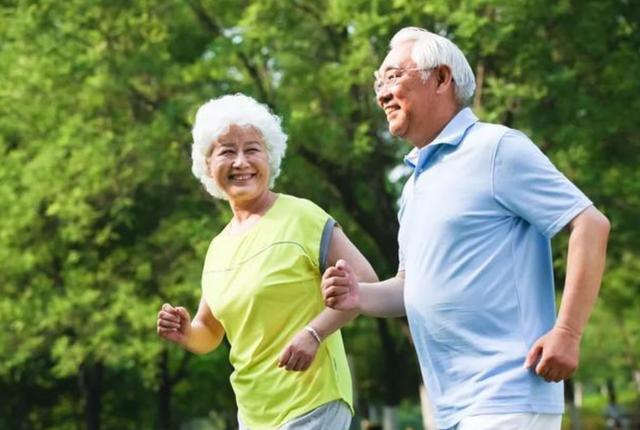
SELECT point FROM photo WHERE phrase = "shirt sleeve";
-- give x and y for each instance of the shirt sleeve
(527, 184)
(325, 242)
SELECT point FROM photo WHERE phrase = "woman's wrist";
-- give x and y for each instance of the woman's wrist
(314, 333)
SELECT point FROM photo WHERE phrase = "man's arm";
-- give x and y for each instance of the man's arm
(342, 291)
(558, 351)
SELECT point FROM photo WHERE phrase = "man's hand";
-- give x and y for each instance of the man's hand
(340, 288)
(174, 323)
(556, 354)
(300, 352)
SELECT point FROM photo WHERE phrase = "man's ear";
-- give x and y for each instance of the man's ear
(444, 77)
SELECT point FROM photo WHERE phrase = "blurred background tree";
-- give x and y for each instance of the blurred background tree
(102, 220)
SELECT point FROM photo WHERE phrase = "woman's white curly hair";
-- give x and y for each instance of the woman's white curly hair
(214, 119)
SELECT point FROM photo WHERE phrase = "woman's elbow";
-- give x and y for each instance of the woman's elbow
(370, 276)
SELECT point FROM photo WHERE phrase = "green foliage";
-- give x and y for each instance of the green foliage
(102, 221)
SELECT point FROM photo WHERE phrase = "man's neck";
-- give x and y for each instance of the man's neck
(445, 118)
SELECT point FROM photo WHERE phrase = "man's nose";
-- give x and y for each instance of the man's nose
(383, 95)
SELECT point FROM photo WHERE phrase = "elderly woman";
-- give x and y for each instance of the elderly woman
(261, 279)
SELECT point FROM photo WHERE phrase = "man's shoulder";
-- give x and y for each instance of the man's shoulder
(489, 131)
(486, 136)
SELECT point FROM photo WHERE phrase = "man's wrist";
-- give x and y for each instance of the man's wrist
(572, 332)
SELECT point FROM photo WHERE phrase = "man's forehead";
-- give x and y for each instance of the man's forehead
(398, 57)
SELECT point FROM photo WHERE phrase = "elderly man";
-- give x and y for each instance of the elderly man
(475, 278)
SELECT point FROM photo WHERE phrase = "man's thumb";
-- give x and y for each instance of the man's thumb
(533, 355)
(342, 265)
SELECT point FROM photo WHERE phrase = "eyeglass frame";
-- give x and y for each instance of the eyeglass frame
(381, 82)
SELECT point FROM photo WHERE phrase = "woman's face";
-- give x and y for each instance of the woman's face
(239, 163)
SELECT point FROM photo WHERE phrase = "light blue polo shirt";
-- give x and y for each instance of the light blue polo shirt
(476, 219)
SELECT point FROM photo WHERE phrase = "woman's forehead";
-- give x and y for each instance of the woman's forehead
(240, 132)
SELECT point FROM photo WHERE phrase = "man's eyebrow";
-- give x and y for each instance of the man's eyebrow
(386, 69)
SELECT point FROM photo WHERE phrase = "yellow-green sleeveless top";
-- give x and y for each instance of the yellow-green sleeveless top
(264, 287)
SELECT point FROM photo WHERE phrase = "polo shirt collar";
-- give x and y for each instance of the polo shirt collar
(452, 134)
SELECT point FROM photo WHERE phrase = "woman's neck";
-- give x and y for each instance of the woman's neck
(246, 209)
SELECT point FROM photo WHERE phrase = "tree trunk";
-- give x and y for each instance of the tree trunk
(611, 392)
(164, 414)
(392, 372)
(90, 380)
(569, 396)
(389, 417)
(164, 393)
(428, 419)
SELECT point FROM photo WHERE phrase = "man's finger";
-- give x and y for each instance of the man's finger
(550, 374)
(344, 266)
(332, 271)
(334, 280)
(543, 367)
(335, 291)
(533, 355)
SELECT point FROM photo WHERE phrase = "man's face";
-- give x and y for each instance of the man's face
(406, 101)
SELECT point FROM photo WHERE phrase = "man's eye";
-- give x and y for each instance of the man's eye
(393, 75)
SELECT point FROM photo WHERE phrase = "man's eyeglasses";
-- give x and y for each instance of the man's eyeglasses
(391, 75)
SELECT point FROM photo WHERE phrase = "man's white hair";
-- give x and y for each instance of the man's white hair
(214, 119)
(431, 50)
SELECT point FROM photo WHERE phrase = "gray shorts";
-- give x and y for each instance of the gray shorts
(334, 415)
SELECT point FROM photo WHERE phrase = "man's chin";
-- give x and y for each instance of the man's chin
(396, 131)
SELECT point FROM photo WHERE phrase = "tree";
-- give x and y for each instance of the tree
(102, 221)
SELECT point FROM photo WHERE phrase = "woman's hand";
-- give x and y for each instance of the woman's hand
(300, 352)
(174, 324)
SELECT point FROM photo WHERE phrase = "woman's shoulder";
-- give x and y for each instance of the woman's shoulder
(300, 203)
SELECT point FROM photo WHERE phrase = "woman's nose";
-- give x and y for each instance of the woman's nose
(239, 159)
